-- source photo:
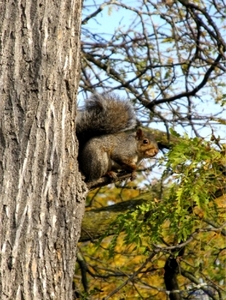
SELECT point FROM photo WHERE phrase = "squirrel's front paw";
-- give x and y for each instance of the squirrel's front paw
(133, 175)
(112, 175)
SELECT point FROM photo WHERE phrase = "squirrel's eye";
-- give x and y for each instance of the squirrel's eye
(145, 141)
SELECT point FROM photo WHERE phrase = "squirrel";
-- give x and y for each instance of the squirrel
(108, 138)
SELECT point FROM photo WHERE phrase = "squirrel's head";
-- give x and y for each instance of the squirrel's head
(147, 146)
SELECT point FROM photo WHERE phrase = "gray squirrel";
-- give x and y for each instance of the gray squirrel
(108, 139)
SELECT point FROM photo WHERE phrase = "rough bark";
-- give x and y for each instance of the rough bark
(41, 192)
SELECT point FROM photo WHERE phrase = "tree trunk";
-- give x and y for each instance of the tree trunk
(41, 192)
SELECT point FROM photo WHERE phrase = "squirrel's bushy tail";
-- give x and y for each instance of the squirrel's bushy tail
(104, 114)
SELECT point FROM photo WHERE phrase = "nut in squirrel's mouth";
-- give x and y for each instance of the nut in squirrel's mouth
(151, 153)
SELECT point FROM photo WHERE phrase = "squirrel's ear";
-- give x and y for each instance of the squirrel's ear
(139, 134)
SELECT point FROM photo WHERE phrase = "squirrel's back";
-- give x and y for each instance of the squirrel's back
(104, 114)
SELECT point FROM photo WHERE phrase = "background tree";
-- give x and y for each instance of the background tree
(41, 191)
(169, 58)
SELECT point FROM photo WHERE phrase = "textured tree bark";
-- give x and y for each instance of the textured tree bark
(41, 192)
